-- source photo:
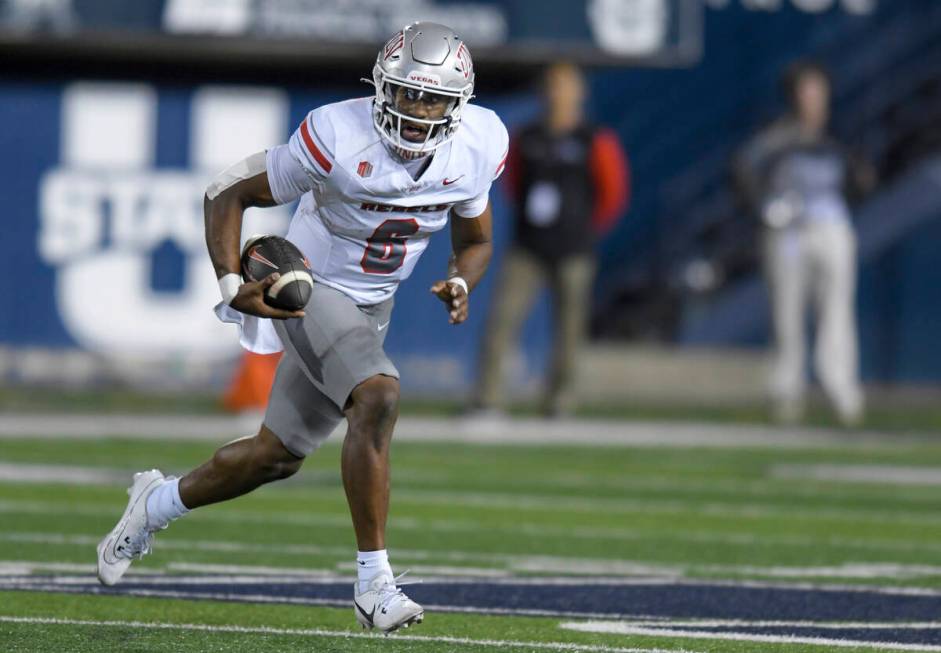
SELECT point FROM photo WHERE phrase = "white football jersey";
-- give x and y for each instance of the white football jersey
(362, 220)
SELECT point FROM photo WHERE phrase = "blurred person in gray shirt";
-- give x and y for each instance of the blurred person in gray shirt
(800, 181)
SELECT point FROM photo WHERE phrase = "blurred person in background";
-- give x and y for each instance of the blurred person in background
(569, 182)
(800, 181)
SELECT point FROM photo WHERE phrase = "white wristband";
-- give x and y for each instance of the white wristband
(460, 282)
(229, 287)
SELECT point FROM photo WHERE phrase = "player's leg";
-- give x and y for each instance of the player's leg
(339, 346)
(786, 268)
(835, 356)
(571, 289)
(238, 468)
(235, 469)
(520, 280)
(298, 419)
(371, 415)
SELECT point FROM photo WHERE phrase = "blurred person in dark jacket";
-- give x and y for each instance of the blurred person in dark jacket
(800, 181)
(569, 182)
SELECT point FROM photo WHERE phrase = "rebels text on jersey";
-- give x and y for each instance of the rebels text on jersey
(362, 220)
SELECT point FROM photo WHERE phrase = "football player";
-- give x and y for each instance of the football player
(376, 176)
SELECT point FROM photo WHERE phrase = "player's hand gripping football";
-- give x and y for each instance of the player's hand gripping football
(251, 300)
(454, 298)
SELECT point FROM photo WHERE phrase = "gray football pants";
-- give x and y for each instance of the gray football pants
(815, 261)
(336, 346)
(521, 280)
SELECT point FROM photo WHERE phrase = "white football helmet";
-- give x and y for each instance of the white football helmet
(424, 58)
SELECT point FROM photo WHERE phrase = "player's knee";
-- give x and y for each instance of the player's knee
(272, 461)
(376, 401)
(281, 469)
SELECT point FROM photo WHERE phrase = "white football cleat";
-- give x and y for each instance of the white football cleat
(130, 538)
(385, 606)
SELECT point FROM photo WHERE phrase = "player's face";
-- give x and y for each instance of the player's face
(419, 104)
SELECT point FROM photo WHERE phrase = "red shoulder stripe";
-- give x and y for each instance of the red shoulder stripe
(313, 149)
(502, 163)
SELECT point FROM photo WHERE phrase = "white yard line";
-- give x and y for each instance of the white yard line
(26, 567)
(620, 572)
(307, 574)
(316, 632)
(859, 570)
(617, 505)
(220, 546)
(762, 486)
(873, 474)
(623, 628)
(71, 474)
(612, 571)
(427, 429)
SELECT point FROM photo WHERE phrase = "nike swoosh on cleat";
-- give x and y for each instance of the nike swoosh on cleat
(383, 326)
(108, 554)
(367, 615)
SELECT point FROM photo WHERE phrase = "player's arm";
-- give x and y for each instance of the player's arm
(472, 246)
(242, 186)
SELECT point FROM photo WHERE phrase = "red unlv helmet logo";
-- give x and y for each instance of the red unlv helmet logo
(465, 65)
(394, 45)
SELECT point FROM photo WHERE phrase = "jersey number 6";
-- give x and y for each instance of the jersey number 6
(386, 248)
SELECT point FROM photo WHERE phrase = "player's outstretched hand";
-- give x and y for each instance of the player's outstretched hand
(251, 300)
(454, 298)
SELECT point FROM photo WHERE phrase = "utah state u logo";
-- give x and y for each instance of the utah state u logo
(121, 219)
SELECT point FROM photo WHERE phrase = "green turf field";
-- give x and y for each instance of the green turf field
(850, 515)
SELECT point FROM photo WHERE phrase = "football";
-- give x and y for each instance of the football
(264, 255)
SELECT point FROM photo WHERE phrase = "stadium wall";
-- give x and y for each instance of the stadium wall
(104, 179)
(104, 218)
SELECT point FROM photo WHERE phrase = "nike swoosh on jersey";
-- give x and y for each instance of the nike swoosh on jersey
(448, 182)
(383, 326)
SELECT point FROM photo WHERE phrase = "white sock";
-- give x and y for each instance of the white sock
(164, 505)
(369, 564)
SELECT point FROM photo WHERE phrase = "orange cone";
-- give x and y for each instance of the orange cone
(251, 383)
